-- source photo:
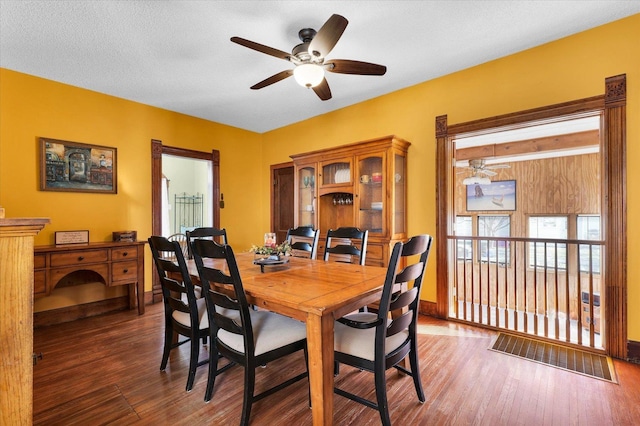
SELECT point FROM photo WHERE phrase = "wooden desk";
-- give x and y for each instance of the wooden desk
(318, 293)
(120, 263)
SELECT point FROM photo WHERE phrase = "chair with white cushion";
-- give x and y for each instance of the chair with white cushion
(184, 313)
(372, 341)
(252, 340)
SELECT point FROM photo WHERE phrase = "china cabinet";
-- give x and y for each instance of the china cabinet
(362, 184)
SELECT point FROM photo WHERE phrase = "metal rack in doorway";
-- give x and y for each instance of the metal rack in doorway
(189, 211)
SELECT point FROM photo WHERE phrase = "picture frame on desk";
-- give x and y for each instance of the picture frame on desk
(71, 237)
(77, 167)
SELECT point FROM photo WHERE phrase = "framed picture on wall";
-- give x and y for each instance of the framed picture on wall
(77, 167)
(499, 195)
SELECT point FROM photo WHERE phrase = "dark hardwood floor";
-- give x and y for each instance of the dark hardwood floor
(105, 370)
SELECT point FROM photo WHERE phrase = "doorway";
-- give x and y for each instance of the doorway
(612, 107)
(187, 204)
(282, 199)
(527, 230)
(158, 151)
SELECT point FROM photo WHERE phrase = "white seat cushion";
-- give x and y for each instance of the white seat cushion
(184, 319)
(270, 331)
(361, 342)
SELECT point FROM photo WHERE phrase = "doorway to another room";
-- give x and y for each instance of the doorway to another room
(596, 308)
(189, 182)
(187, 190)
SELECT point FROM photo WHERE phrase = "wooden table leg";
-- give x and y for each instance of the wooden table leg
(320, 347)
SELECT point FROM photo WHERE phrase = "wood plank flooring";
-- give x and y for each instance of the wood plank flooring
(105, 371)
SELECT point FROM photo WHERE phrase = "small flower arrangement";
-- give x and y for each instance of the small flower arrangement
(283, 249)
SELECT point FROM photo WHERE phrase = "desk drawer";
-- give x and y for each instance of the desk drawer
(124, 253)
(40, 283)
(78, 257)
(374, 252)
(39, 261)
(124, 272)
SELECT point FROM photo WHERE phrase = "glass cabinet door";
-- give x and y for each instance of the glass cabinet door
(336, 172)
(398, 223)
(307, 196)
(371, 194)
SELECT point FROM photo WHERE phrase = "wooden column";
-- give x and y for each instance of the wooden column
(615, 205)
(445, 212)
(16, 320)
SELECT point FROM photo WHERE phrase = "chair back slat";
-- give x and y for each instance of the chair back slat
(410, 273)
(400, 323)
(403, 299)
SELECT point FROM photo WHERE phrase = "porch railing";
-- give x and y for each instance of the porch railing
(543, 287)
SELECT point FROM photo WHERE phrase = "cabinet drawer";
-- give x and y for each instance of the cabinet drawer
(124, 272)
(39, 261)
(78, 257)
(124, 253)
(39, 283)
(374, 252)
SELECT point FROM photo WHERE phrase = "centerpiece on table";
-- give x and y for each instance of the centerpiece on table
(271, 250)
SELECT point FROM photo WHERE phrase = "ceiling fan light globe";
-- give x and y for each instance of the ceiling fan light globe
(308, 75)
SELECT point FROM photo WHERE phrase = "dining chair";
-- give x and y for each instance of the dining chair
(304, 241)
(346, 244)
(182, 240)
(184, 313)
(207, 233)
(373, 341)
(253, 340)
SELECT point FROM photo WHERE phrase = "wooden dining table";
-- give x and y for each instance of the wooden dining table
(318, 293)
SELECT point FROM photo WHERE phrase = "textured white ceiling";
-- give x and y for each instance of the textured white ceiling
(177, 55)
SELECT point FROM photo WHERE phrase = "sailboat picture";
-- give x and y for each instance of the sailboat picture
(498, 195)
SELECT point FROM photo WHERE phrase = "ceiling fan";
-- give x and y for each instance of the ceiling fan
(309, 58)
(480, 171)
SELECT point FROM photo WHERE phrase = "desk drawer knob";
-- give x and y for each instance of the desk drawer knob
(125, 254)
(80, 258)
(125, 271)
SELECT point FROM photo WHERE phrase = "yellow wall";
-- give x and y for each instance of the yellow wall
(568, 69)
(32, 107)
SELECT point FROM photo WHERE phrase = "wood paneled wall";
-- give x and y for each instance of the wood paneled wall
(552, 186)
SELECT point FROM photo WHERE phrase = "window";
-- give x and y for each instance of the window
(588, 228)
(548, 254)
(494, 250)
(464, 229)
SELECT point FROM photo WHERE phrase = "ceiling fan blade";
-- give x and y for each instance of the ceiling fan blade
(273, 79)
(498, 166)
(262, 48)
(487, 172)
(322, 90)
(345, 66)
(327, 36)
